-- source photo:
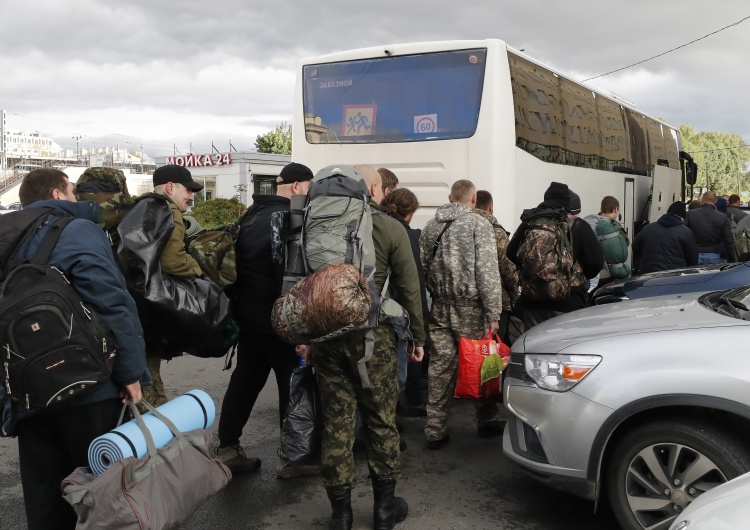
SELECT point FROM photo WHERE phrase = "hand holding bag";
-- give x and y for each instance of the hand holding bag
(158, 491)
(480, 365)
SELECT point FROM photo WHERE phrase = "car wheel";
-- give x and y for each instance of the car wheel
(657, 469)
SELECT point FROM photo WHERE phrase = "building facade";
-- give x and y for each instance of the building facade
(232, 174)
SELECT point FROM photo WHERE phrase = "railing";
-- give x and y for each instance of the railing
(12, 180)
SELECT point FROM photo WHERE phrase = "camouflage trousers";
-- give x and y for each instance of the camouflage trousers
(341, 394)
(447, 324)
(154, 394)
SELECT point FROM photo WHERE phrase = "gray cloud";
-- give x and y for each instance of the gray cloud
(229, 66)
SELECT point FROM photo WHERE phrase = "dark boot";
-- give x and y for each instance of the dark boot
(388, 509)
(341, 504)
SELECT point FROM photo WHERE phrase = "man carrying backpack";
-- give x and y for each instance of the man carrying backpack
(556, 252)
(359, 370)
(259, 350)
(612, 238)
(173, 189)
(459, 254)
(55, 440)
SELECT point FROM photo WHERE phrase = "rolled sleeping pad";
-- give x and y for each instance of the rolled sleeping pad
(192, 410)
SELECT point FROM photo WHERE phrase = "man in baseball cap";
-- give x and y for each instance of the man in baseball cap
(173, 190)
(177, 175)
(294, 179)
(260, 350)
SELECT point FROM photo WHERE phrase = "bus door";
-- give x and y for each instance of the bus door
(666, 190)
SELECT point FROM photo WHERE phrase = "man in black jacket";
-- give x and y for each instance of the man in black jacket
(666, 244)
(260, 350)
(560, 203)
(712, 230)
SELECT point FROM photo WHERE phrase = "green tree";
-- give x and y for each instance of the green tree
(217, 212)
(722, 159)
(278, 141)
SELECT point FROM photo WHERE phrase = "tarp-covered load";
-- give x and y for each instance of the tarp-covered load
(325, 304)
(189, 315)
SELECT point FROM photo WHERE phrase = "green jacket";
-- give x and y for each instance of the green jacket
(175, 260)
(393, 251)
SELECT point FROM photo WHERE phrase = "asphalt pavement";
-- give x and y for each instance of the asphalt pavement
(468, 484)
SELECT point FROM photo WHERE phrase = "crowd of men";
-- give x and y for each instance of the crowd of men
(464, 262)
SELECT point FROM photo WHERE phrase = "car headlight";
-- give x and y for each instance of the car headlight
(559, 372)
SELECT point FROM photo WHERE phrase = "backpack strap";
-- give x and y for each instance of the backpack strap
(436, 244)
(369, 350)
(41, 257)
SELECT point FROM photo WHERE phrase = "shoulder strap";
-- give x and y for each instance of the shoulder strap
(436, 244)
(41, 257)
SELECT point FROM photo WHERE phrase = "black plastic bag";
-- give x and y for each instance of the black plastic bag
(302, 426)
(190, 315)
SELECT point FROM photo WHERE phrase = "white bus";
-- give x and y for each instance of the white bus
(437, 112)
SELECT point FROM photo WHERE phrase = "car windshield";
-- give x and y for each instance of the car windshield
(733, 302)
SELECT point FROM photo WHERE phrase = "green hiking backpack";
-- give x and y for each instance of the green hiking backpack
(614, 243)
(546, 256)
(337, 231)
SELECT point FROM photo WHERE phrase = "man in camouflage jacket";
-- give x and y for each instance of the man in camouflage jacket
(508, 272)
(340, 384)
(463, 279)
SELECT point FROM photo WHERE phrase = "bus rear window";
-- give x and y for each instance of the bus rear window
(412, 98)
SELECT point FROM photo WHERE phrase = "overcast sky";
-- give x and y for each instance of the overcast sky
(160, 72)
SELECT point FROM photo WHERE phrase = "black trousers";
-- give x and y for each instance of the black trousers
(50, 447)
(257, 355)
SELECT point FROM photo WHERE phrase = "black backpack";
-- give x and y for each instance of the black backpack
(53, 346)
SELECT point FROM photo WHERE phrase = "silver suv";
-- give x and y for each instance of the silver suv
(646, 402)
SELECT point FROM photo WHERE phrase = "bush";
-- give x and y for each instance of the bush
(217, 212)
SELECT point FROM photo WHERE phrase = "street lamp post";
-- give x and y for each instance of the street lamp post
(78, 153)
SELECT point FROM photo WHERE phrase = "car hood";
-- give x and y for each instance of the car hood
(629, 317)
(724, 507)
(692, 275)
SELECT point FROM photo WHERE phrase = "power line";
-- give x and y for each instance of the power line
(669, 51)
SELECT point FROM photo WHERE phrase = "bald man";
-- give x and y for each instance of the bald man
(712, 230)
(373, 180)
(340, 385)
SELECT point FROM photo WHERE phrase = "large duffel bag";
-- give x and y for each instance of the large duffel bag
(158, 491)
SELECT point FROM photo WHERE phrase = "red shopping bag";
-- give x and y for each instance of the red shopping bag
(480, 363)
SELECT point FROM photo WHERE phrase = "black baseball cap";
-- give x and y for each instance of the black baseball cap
(176, 174)
(294, 172)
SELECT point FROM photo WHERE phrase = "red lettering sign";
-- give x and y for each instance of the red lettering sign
(219, 159)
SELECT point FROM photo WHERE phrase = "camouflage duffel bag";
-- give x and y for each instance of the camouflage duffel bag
(328, 303)
(215, 252)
